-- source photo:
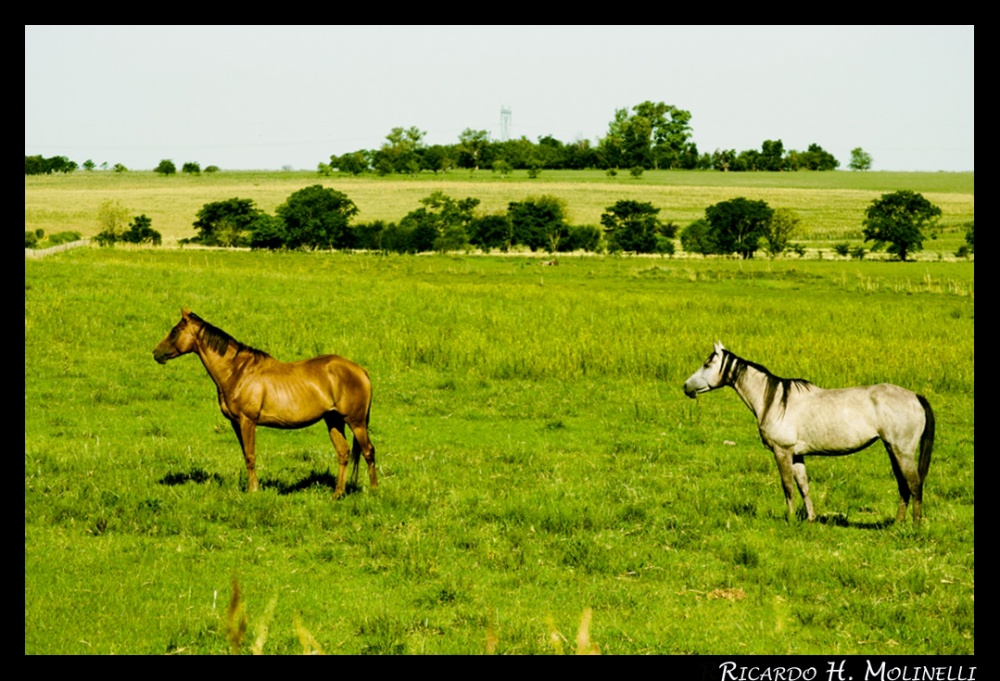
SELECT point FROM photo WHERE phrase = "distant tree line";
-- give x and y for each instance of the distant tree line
(39, 165)
(649, 136)
(318, 217)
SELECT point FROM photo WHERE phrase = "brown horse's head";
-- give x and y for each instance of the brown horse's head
(179, 341)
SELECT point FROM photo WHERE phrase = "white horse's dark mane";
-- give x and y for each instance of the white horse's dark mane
(734, 366)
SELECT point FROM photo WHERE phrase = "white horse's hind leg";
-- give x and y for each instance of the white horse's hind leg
(907, 480)
(799, 467)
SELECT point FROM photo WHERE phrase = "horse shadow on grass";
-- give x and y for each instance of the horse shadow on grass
(841, 520)
(313, 479)
(198, 475)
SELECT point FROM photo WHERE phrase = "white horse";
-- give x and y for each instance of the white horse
(796, 418)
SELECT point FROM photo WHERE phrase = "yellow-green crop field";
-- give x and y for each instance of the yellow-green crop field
(831, 204)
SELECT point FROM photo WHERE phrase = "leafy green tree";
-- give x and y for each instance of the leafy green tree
(34, 165)
(191, 168)
(422, 228)
(436, 158)
(549, 153)
(119, 168)
(113, 217)
(491, 231)
(317, 217)
(442, 223)
(634, 226)
(724, 159)
(538, 222)
(783, 226)
(581, 238)
(226, 223)
(39, 165)
(368, 235)
(140, 231)
(578, 155)
(772, 156)
(898, 222)
(699, 238)
(502, 167)
(267, 232)
(89, 165)
(860, 159)
(815, 158)
(61, 164)
(628, 142)
(738, 225)
(671, 132)
(517, 153)
(166, 167)
(354, 163)
(396, 239)
(655, 135)
(400, 152)
(472, 145)
(212, 169)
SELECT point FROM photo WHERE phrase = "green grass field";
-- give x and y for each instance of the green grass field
(537, 457)
(831, 204)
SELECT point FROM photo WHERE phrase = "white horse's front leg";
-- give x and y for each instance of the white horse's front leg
(783, 458)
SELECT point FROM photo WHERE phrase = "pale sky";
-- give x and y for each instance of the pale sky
(268, 97)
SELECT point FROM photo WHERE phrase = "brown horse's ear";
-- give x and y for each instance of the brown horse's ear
(185, 312)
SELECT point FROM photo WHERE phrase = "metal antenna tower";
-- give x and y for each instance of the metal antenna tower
(504, 123)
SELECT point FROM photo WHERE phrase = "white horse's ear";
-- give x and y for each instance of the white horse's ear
(718, 346)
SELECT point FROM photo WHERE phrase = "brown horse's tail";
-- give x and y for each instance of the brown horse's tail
(926, 438)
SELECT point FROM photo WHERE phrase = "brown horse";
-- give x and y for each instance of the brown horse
(256, 389)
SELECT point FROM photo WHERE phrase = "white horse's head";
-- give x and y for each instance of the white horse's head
(709, 375)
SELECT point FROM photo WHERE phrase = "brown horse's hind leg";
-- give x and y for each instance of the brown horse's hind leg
(246, 433)
(335, 424)
(363, 446)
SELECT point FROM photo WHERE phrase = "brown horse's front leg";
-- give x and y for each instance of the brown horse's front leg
(246, 433)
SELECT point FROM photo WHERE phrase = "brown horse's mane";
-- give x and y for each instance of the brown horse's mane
(218, 340)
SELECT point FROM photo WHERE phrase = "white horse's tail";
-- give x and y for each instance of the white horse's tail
(926, 439)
